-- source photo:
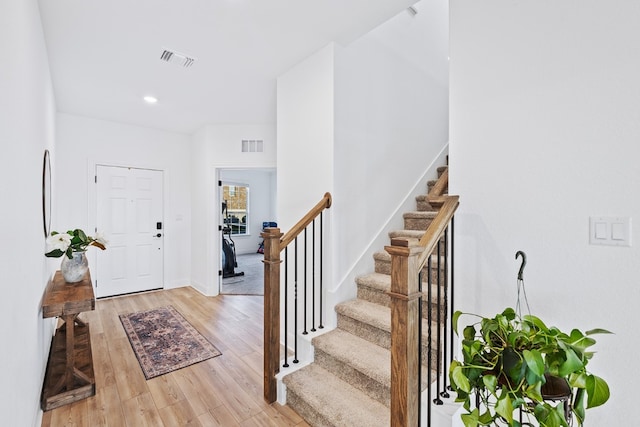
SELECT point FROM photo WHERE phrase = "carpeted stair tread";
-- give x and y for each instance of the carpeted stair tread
(382, 282)
(377, 319)
(410, 234)
(350, 349)
(383, 256)
(378, 281)
(372, 314)
(325, 400)
(420, 214)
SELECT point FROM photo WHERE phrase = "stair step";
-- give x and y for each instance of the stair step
(364, 365)
(382, 262)
(418, 220)
(441, 170)
(374, 287)
(423, 205)
(357, 361)
(323, 399)
(372, 322)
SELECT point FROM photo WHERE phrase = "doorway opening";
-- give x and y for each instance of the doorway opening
(246, 199)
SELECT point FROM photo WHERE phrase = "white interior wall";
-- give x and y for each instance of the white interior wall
(262, 201)
(365, 122)
(545, 106)
(27, 117)
(84, 142)
(391, 115)
(201, 211)
(216, 147)
(305, 136)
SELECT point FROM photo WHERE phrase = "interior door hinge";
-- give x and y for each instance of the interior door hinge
(219, 183)
(219, 272)
(96, 179)
(219, 228)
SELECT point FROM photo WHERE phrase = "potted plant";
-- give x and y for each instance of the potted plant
(510, 362)
(72, 246)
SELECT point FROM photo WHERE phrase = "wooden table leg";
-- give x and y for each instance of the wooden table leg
(69, 323)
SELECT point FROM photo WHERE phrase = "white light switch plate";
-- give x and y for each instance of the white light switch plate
(610, 230)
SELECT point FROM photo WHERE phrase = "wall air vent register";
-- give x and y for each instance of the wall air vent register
(252, 145)
(177, 58)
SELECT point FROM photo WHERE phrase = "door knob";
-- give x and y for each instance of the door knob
(159, 235)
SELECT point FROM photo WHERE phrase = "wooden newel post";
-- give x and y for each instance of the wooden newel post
(272, 262)
(405, 318)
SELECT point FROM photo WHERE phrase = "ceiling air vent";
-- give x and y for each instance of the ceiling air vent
(252, 145)
(177, 58)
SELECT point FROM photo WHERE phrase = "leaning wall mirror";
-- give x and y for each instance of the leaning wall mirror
(46, 193)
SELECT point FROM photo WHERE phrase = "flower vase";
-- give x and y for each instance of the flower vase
(74, 269)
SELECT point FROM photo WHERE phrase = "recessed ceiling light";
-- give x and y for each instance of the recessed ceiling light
(150, 99)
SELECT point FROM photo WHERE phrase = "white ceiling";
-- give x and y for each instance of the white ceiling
(105, 54)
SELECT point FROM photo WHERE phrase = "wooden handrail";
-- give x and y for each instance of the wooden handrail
(323, 204)
(274, 243)
(430, 238)
(441, 185)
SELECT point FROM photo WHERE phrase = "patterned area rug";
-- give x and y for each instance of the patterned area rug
(164, 341)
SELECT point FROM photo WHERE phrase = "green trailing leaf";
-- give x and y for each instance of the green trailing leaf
(536, 322)
(571, 364)
(460, 379)
(555, 417)
(534, 361)
(490, 382)
(598, 331)
(597, 391)
(504, 407)
(486, 418)
(470, 419)
(454, 320)
(578, 405)
(578, 380)
(534, 392)
(509, 313)
(579, 341)
(469, 333)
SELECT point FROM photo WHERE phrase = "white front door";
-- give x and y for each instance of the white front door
(129, 214)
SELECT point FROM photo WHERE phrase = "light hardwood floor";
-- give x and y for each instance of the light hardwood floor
(223, 391)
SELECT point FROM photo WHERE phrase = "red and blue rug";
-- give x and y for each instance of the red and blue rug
(163, 341)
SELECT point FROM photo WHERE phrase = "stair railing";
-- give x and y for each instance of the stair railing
(407, 262)
(311, 299)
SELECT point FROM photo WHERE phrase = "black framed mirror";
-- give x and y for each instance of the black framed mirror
(46, 193)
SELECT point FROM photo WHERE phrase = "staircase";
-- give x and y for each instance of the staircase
(348, 384)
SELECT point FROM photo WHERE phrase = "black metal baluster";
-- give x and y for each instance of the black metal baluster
(437, 400)
(321, 269)
(305, 283)
(429, 347)
(451, 284)
(313, 276)
(286, 307)
(445, 304)
(420, 348)
(295, 302)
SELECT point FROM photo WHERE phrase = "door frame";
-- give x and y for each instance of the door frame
(214, 242)
(92, 205)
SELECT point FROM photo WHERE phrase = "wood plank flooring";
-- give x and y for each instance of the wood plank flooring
(223, 391)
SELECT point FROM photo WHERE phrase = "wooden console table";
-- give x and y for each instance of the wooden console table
(69, 376)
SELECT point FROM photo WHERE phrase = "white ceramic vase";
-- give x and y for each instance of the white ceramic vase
(74, 269)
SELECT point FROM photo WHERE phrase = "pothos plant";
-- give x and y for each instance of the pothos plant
(508, 359)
